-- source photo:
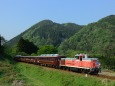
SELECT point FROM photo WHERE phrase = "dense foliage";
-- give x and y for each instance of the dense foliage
(47, 49)
(26, 46)
(47, 32)
(96, 38)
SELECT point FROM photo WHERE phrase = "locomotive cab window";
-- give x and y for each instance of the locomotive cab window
(80, 58)
(77, 57)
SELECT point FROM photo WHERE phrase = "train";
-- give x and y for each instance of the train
(80, 62)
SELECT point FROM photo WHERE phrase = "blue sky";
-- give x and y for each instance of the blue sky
(18, 15)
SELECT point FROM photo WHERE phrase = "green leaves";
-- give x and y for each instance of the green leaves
(97, 38)
(47, 32)
(47, 49)
(26, 46)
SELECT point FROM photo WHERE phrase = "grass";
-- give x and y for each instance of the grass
(21, 74)
(38, 76)
(6, 73)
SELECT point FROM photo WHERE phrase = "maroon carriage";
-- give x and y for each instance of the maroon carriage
(49, 59)
(44, 59)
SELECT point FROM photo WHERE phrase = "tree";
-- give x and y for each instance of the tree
(0, 45)
(2, 41)
(47, 49)
(26, 46)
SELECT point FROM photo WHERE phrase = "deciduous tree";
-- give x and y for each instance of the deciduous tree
(47, 49)
(26, 46)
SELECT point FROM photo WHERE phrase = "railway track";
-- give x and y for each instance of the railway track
(105, 76)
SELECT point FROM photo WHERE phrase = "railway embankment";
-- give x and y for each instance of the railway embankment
(54, 77)
(23, 74)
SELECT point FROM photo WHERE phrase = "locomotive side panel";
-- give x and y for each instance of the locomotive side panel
(81, 62)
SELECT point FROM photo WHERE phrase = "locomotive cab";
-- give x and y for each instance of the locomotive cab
(81, 56)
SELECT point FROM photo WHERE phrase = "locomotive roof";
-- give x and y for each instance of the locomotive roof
(82, 58)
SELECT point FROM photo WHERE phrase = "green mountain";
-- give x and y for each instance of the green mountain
(97, 38)
(47, 32)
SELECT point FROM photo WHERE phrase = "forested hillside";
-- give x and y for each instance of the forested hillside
(47, 32)
(96, 38)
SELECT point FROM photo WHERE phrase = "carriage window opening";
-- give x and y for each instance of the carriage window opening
(49, 59)
(52, 59)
